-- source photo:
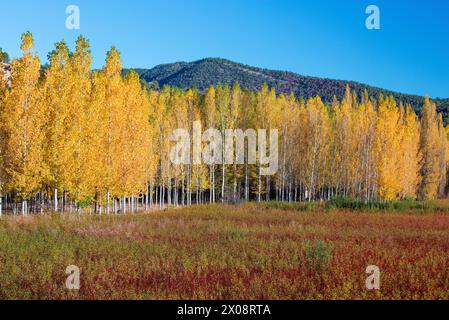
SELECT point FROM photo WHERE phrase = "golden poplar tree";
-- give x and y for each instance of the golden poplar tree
(408, 170)
(56, 94)
(67, 92)
(112, 113)
(429, 145)
(210, 120)
(133, 152)
(387, 149)
(22, 121)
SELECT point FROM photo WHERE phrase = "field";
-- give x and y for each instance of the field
(227, 252)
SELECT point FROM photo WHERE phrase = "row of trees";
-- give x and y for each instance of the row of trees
(72, 138)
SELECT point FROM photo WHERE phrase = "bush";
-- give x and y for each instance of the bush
(317, 253)
(406, 205)
(299, 206)
(84, 203)
(378, 204)
(235, 235)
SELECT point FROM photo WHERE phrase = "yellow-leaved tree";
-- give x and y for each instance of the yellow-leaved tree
(430, 146)
(133, 154)
(23, 127)
(387, 149)
(408, 171)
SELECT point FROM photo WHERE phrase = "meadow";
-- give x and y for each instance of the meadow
(249, 251)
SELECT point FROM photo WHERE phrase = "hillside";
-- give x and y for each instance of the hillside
(212, 71)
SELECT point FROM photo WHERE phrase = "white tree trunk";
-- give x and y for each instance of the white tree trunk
(56, 200)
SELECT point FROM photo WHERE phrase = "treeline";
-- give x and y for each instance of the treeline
(74, 139)
(210, 71)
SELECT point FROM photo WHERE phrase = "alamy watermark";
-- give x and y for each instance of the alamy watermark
(372, 22)
(217, 147)
(73, 280)
(72, 21)
(373, 280)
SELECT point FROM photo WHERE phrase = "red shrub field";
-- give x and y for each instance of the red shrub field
(227, 252)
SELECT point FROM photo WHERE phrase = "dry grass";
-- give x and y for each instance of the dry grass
(225, 252)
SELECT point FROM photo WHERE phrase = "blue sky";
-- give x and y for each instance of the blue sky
(324, 38)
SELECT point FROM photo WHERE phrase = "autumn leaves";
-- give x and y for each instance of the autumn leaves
(86, 134)
(73, 137)
(370, 149)
(22, 122)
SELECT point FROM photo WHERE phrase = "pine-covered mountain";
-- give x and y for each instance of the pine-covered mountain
(213, 71)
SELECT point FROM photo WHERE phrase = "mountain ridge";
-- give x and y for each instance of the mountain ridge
(214, 71)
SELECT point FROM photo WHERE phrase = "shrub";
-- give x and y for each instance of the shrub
(299, 206)
(84, 203)
(317, 253)
(378, 205)
(235, 235)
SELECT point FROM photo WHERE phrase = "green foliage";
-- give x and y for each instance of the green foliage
(4, 57)
(406, 205)
(84, 203)
(399, 205)
(299, 206)
(318, 253)
(235, 235)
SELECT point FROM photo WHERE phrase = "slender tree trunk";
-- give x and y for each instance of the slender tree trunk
(234, 194)
(24, 207)
(151, 196)
(268, 188)
(156, 194)
(246, 179)
(213, 183)
(146, 197)
(56, 200)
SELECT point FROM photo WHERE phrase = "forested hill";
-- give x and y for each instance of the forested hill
(212, 71)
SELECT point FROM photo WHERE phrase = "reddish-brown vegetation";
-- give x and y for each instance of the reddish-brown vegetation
(225, 252)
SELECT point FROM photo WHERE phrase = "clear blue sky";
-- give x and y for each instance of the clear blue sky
(324, 38)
